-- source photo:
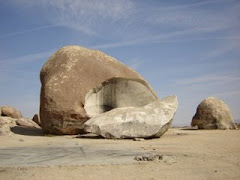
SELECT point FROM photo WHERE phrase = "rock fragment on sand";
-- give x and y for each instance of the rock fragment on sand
(149, 121)
(138, 139)
(155, 157)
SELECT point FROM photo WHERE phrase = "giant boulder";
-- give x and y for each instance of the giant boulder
(66, 78)
(149, 121)
(213, 113)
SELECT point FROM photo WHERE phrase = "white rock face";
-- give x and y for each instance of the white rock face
(149, 121)
(117, 93)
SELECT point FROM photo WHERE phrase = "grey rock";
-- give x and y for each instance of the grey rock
(153, 157)
(149, 121)
(66, 78)
(10, 112)
(213, 113)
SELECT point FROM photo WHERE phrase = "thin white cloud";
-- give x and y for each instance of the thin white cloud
(42, 56)
(86, 16)
(27, 31)
(163, 38)
(190, 15)
(213, 79)
(227, 94)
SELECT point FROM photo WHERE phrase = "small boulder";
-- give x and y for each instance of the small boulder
(149, 121)
(36, 119)
(213, 113)
(10, 112)
(27, 123)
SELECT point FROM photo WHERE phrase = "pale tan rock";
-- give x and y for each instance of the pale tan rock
(10, 112)
(6, 123)
(27, 123)
(66, 78)
(213, 113)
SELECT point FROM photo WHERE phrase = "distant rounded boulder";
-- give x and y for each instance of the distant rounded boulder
(213, 113)
(66, 79)
(10, 112)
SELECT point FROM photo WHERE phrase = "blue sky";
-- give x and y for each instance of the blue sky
(190, 48)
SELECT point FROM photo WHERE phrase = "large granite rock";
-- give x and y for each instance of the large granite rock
(10, 112)
(213, 113)
(66, 78)
(149, 121)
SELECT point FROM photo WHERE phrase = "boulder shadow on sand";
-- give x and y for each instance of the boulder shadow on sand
(27, 131)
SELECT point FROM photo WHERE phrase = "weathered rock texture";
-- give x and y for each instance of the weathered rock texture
(149, 121)
(212, 113)
(6, 123)
(10, 112)
(66, 78)
(116, 93)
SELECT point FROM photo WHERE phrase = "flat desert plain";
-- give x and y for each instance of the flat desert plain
(187, 154)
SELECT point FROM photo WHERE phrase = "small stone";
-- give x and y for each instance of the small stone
(138, 139)
(149, 157)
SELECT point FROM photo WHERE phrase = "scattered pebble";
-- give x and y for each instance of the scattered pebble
(181, 133)
(149, 157)
(21, 140)
(138, 139)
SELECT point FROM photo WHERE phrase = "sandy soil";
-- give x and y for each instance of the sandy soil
(187, 154)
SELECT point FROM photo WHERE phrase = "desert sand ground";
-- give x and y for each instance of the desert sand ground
(187, 154)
